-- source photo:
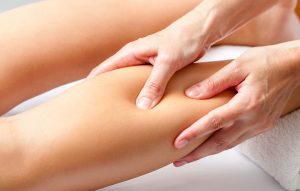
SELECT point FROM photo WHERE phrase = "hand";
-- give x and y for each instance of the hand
(264, 78)
(168, 51)
(183, 42)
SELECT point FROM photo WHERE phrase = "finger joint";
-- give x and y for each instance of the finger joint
(215, 123)
(154, 87)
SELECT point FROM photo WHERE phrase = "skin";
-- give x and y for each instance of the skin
(262, 89)
(43, 42)
(183, 42)
(94, 147)
(43, 149)
(264, 78)
(74, 52)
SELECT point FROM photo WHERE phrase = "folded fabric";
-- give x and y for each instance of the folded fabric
(278, 151)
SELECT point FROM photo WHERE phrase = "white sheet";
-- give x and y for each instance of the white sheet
(228, 171)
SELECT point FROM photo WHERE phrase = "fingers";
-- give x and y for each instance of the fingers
(223, 139)
(229, 76)
(137, 53)
(219, 142)
(130, 55)
(155, 86)
(224, 116)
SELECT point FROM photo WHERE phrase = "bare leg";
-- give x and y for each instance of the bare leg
(54, 42)
(93, 135)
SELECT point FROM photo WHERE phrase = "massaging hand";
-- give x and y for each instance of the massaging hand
(264, 78)
(182, 43)
(168, 51)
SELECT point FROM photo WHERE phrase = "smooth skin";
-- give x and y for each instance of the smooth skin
(93, 135)
(51, 43)
(263, 77)
(74, 138)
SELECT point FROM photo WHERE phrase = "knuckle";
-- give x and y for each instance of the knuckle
(215, 122)
(167, 58)
(193, 135)
(153, 87)
(198, 86)
(210, 84)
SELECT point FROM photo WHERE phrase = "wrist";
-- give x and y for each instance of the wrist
(212, 21)
(209, 31)
(196, 26)
(291, 51)
(219, 18)
(288, 54)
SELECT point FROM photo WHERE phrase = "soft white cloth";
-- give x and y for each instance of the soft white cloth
(278, 151)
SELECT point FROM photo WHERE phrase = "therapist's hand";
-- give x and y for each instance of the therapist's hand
(168, 51)
(264, 78)
(183, 42)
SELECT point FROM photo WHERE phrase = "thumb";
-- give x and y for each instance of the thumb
(155, 86)
(131, 54)
(228, 76)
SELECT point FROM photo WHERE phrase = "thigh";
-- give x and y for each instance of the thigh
(50, 43)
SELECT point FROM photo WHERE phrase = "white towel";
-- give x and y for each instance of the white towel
(278, 151)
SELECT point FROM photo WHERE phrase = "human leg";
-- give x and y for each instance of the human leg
(54, 42)
(93, 135)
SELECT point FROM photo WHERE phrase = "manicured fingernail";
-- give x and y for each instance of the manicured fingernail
(182, 144)
(193, 92)
(144, 103)
(180, 163)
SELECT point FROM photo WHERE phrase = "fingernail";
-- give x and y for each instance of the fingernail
(182, 143)
(193, 92)
(144, 103)
(180, 163)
